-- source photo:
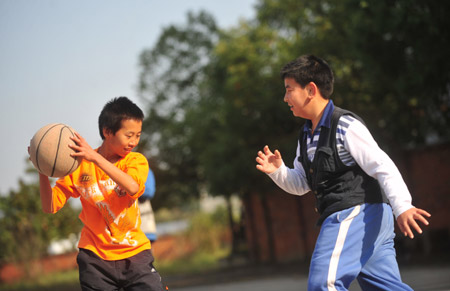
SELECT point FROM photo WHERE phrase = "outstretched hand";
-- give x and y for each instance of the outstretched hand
(268, 162)
(407, 220)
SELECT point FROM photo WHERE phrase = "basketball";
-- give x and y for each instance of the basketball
(50, 152)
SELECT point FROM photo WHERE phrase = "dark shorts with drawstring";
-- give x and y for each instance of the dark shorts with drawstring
(131, 274)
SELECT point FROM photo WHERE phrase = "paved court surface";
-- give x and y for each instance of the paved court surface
(431, 278)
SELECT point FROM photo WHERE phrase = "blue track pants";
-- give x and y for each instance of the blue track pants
(356, 243)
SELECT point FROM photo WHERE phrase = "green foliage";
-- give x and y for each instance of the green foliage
(389, 58)
(216, 96)
(67, 281)
(209, 142)
(25, 230)
(248, 112)
(205, 243)
(171, 77)
(198, 262)
(206, 231)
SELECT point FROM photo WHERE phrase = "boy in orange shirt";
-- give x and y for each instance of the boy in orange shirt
(114, 252)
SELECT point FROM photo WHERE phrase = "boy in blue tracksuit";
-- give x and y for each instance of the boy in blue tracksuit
(356, 185)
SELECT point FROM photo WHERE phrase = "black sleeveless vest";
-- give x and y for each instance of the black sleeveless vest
(335, 185)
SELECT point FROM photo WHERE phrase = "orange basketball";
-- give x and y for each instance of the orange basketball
(50, 152)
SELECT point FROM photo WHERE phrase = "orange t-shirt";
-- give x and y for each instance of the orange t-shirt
(111, 217)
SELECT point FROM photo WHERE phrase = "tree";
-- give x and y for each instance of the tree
(215, 95)
(26, 231)
(241, 111)
(389, 58)
(171, 76)
(207, 100)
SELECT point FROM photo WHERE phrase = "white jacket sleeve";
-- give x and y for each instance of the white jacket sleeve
(377, 164)
(290, 180)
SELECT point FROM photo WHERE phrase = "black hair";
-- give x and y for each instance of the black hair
(309, 68)
(115, 111)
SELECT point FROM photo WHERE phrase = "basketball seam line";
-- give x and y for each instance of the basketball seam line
(57, 149)
(39, 145)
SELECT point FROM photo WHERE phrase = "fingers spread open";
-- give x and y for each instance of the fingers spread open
(267, 151)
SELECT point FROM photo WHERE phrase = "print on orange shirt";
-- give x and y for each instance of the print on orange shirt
(120, 211)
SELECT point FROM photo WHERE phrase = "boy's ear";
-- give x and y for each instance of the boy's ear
(312, 89)
(106, 132)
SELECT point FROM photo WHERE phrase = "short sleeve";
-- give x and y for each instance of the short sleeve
(137, 167)
(62, 191)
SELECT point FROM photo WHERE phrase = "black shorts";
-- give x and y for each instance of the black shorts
(134, 273)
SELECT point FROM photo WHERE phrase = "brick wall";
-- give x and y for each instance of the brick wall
(15, 272)
(280, 226)
(427, 173)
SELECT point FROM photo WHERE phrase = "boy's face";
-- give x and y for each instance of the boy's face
(296, 97)
(126, 138)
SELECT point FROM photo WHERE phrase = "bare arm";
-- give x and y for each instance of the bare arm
(46, 194)
(123, 180)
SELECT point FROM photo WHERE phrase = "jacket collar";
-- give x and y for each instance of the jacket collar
(325, 121)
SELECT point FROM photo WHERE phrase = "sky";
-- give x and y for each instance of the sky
(62, 60)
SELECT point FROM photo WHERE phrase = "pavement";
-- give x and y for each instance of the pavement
(294, 277)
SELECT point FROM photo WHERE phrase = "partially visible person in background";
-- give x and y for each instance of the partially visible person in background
(148, 225)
